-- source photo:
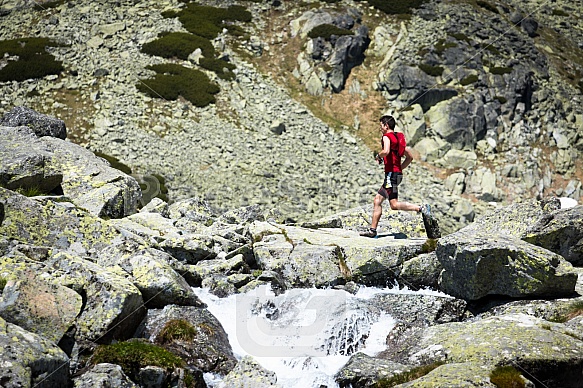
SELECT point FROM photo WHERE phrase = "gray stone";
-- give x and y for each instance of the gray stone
(104, 376)
(41, 125)
(208, 351)
(39, 306)
(25, 162)
(421, 271)
(365, 371)
(249, 373)
(28, 359)
(560, 232)
(114, 306)
(478, 264)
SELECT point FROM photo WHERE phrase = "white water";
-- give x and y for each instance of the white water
(305, 336)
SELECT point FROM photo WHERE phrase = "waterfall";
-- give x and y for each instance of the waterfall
(305, 336)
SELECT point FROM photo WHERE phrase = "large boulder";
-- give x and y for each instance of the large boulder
(208, 350)
(550, 352)
(151, 272)
(113, 306)
(55, 224)
(560, 232)
(40, 124)
(25, 162)
(28, 360)
(478, 265)
(457, 375)
(39, 306)
(91, 183)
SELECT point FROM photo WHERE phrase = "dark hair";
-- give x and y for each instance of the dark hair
(389, 120)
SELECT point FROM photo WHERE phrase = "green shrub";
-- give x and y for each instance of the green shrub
(487, 6)
(501, 99)
(490, 48)
(178, 45)
(3, 282)
(33, 60)
(220, 67)
(176, 329)
(442, 45)
(405, 377)
(559, 12)
(431, 70)
(174, 80)
(327, 30)
(506, 377)
(470, 79)
(500, 70)
(460, 36)
(396, 7)
(207, 21)
(135, 354)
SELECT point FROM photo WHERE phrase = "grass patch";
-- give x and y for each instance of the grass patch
(176, 329)
(396, 7)
(470, 79)
(487, 6)
(506, 377)
(411, 375)
(32, 191)
(222, 69)
(135, 354)
(500, 70)
(434, 71)
(501, 99)
(430, 245)
(33, 60)
(173, 80)
(178, 45)
(490, 48)
(327, 30)
(575, 309)
(207, 21)
(3, 282)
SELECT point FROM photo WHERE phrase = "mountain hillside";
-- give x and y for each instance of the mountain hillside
(282, 108)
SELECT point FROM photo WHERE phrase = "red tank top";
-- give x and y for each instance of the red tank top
(392, 160)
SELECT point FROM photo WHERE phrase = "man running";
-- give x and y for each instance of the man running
(393, 176)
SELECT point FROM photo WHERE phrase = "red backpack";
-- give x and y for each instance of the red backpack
(398, 143)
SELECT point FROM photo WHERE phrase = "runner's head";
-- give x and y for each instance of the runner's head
(388, 120)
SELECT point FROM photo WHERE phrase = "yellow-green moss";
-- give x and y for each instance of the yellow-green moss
(507, 377)
(410, 375)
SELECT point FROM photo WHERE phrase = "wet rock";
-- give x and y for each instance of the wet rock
(248, 373)
(365, 371)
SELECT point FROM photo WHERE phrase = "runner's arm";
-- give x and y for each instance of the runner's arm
(386, 147)
(408, 158)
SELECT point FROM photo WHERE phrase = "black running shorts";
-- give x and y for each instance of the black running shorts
(390, 187)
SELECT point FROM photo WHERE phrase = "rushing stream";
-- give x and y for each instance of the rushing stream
(305, 336)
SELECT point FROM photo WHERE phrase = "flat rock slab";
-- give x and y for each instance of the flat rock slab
(339, 254)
